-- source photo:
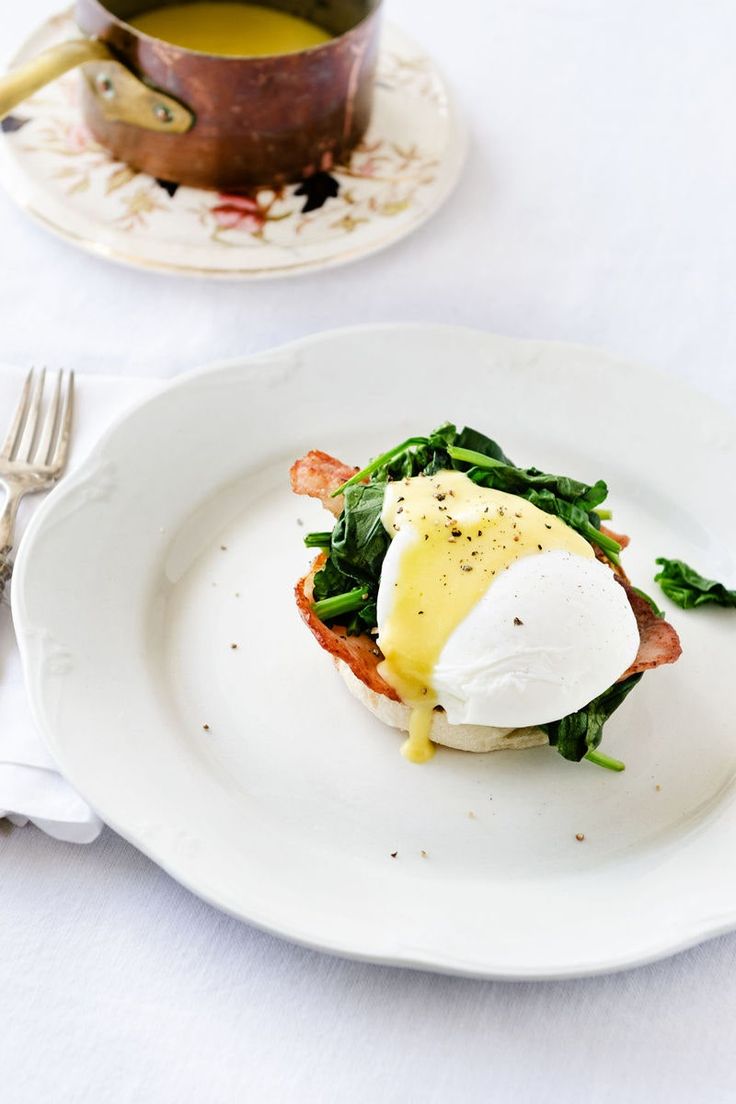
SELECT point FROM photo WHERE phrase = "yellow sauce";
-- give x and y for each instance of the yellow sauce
(230, 29)
(466, 536)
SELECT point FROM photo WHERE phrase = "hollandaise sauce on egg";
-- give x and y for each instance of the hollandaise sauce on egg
(452, 543)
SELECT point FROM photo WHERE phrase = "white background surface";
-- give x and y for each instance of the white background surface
(598, 205)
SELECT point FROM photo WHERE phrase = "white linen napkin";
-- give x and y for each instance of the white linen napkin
(31, 787)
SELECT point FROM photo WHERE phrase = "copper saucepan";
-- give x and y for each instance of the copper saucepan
(213, 121)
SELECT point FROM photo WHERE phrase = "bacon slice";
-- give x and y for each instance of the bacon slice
(361, 653)
(658, 640)
(318, 474)
(622, 539)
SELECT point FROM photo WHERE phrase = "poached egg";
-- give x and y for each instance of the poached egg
(493, 609)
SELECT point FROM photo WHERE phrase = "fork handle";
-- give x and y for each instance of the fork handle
(7, 529)
(6, 570)
(7, 517)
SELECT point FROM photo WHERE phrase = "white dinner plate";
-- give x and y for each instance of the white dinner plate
(179, 538)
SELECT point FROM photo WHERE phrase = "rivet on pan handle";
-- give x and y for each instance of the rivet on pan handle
(124, 98)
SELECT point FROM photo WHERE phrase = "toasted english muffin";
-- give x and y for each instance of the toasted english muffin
(463, 737)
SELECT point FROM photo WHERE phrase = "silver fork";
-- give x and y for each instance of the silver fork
(35, 450)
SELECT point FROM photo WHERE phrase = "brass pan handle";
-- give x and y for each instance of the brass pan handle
(120, 94)
(20, 83)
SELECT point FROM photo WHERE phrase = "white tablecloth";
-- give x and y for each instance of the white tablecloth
(598, 205)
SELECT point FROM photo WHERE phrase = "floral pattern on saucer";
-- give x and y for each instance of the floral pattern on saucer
(400, 173)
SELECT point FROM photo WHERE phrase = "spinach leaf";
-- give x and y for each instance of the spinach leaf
(474, 441)
(337, 600)
(435, 455)
(426, 455)
(318, 540)
(520, 481)
(359, 540)
(578, 735)
(425, 460)
(364, 620)
(572, 501)
(380, 469)
(346, 588)
(684, 586)
(576, 518)
(353, 610)
(330, 581)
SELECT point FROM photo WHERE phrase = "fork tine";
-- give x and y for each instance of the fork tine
(50, 424)
(58, 460)
(24, 450)
(18, 419)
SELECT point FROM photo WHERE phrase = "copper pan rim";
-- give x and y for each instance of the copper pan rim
(237, 58)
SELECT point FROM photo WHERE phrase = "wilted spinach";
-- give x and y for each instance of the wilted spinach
(348, 582)
(684, 586)
(486, 463)
(578, 735)
(359, 539)
(346, 588)
(358, 543)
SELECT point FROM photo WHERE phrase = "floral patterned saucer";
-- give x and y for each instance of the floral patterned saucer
(403, 170)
